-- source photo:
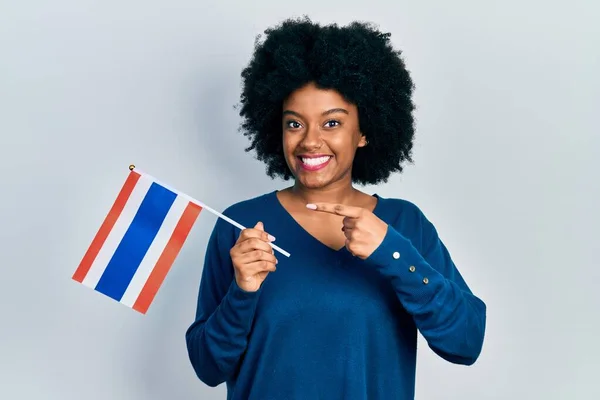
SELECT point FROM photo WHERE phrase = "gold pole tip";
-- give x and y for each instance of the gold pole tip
(131, 167)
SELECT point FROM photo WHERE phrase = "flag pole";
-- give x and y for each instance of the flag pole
(205, 207)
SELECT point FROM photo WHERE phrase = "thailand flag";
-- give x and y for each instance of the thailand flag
(138, 241)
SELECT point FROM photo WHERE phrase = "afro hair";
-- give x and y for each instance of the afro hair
(359, 62)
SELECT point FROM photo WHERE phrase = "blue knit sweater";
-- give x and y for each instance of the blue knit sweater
(327, 325)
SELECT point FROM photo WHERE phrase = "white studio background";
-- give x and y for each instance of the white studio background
(506, 166)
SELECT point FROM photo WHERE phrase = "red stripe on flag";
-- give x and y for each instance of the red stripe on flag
(106, 227)
(164, 263)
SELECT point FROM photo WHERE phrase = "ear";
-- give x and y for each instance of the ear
(362, 142)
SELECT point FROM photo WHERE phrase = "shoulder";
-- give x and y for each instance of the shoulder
(398, 209)
(408, 218)
(247, 209)
(244, 212)
(247, 212)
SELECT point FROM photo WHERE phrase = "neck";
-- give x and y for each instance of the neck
(339, 193)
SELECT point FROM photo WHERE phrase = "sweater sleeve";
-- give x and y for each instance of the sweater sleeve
(449, 316)
(217, 339)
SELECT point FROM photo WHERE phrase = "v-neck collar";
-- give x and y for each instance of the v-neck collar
(287, 215)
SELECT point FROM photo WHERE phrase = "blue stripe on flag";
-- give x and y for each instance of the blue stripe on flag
(136, 242)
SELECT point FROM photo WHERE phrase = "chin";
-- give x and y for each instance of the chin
(313, 180)
(313, 183)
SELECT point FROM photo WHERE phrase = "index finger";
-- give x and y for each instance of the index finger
(255, 233)
(337, 209)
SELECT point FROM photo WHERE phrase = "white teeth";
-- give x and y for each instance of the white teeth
(315, 161)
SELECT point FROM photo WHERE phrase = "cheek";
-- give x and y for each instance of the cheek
(290, 141)
(289, 145)
(342, 146)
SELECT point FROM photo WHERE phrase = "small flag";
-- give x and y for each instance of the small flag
(138, 241)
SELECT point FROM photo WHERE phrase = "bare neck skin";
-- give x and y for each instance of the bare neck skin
(339, 192)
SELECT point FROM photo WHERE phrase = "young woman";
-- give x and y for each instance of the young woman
(328, 107)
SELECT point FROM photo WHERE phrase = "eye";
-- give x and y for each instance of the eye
(332, 123)
(293, 124)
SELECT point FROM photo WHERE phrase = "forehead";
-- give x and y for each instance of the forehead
(310, 98)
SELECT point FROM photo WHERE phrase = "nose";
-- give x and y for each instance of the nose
(312, 139)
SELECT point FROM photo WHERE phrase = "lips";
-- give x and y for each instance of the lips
(314, 163)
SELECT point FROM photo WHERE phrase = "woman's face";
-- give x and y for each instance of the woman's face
(320, 136)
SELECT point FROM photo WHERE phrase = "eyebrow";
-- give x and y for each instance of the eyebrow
(328, 112)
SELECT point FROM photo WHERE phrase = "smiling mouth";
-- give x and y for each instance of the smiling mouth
(314, 163)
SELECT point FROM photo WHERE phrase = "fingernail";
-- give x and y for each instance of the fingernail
(311, 206)
(271, 238)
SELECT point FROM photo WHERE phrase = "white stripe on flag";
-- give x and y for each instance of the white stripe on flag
(154, 251)
(118, 231)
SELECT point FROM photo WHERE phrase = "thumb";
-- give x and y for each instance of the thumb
(259, 226)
